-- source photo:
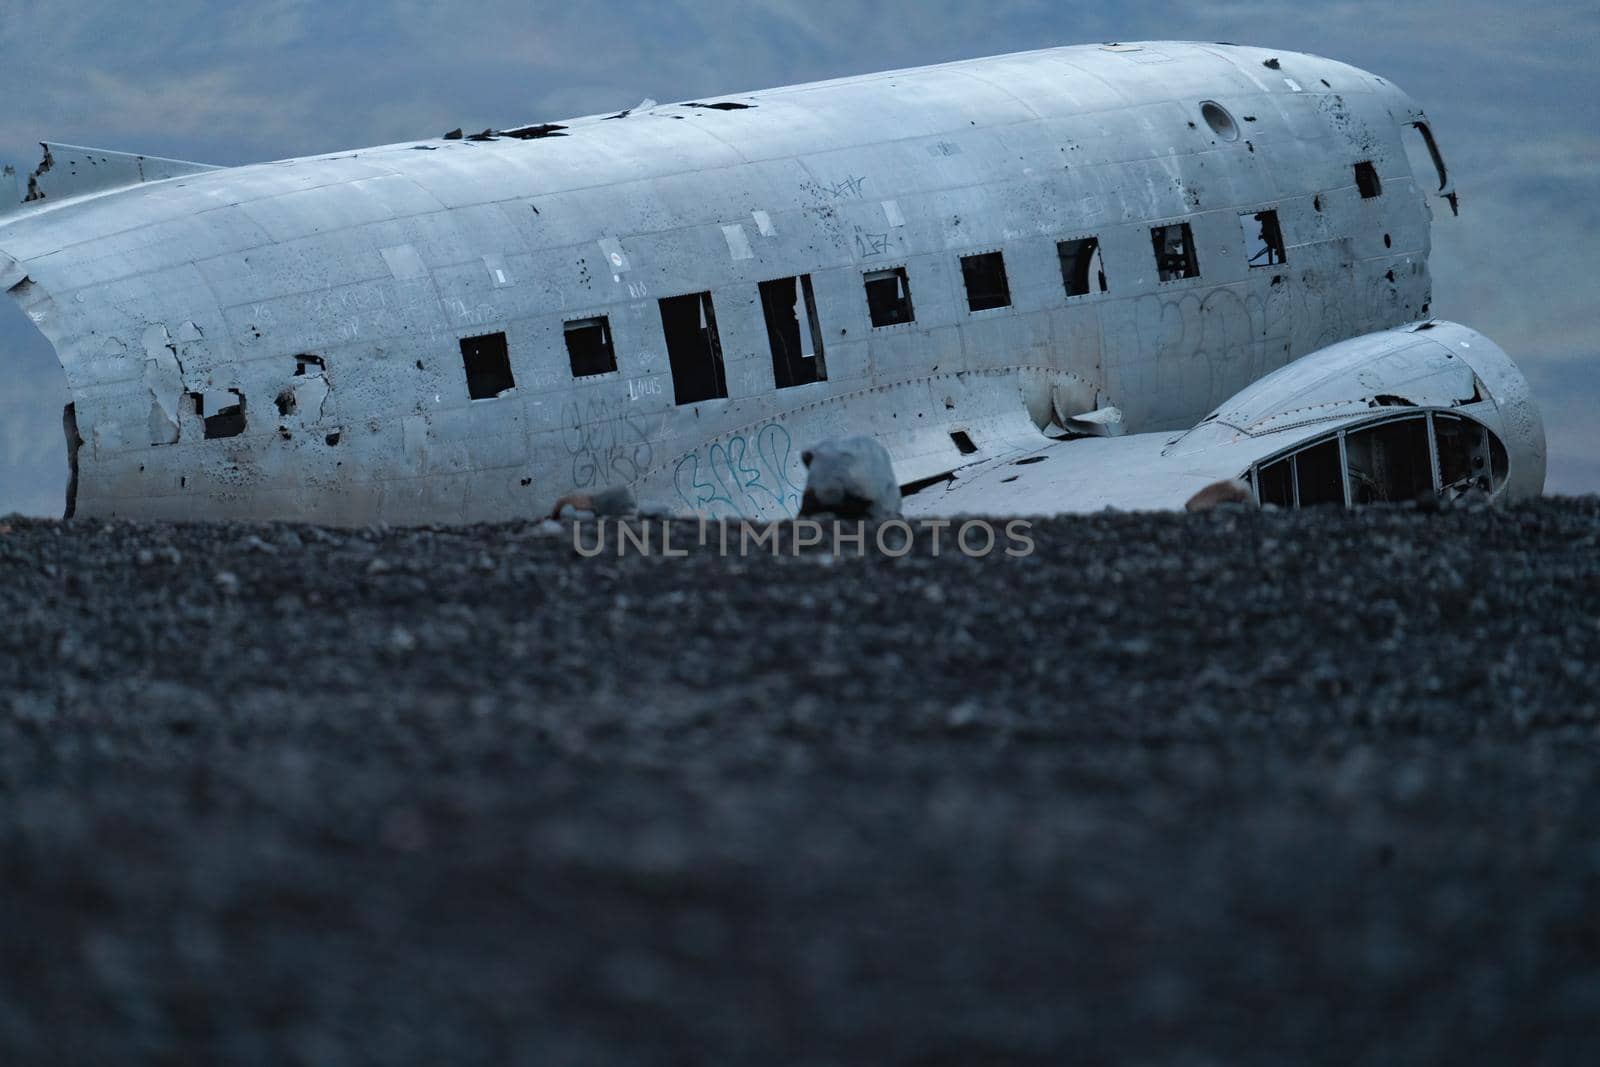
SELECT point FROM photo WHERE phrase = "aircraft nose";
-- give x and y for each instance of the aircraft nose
(1516, 418)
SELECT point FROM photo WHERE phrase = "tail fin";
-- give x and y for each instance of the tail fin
(10, 191)
(68, 170)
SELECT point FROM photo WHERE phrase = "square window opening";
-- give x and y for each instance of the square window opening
(693, 348)
(488, 365)
(985, 278)
(1263, 239)
(1174, 248)
(1367, 181)
(796, 345)
(889, 297)
(963, 442)
(589, 346)
(1082, 270)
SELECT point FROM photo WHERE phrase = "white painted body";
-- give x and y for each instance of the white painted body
(222, 283)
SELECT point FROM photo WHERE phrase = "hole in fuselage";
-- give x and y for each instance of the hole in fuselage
(1219, 120)
(69, 423)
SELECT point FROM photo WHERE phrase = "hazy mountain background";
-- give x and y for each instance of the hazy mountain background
(1512, 90)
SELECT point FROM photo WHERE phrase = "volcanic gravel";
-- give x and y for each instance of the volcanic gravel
(1233, 787)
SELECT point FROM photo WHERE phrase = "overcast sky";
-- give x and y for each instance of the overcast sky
(1512, 90)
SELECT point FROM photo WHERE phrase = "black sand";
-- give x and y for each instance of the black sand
(1213, 789)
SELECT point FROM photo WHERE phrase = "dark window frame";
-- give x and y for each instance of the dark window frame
(486, 361)
(692, 384)
(590, 361)
(1269, 235)
(993, 287)
(1174, 266)
(877, 276)
(1076, 277)
(792, 364)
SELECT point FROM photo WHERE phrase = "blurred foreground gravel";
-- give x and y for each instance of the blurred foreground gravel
(1226, 788)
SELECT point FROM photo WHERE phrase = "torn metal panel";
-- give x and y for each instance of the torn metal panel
(163, 377)
(223, 411)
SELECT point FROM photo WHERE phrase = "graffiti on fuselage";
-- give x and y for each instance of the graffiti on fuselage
(609, 444)
(750, 474)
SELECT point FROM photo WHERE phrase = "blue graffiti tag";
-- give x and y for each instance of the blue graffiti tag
(738, 478)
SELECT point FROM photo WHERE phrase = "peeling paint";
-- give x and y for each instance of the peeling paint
(163, 379)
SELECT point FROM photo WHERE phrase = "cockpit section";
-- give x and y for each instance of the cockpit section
(1422, 455)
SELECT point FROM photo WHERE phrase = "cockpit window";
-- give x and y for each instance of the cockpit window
(1463, 455)
(1423, 152)
(1275, 484)
(1317, 475)
(1390, 462)
(1416, 457)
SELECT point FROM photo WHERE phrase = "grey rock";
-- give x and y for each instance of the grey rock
(851, 477)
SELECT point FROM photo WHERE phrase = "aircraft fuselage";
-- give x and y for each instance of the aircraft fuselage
(681, 298)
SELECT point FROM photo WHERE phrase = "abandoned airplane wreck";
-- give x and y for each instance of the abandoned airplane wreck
(1105, 275)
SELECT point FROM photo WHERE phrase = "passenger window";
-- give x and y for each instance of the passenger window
(985, 279)
(693, 348)
(796, 346)
(1082, 270)
(1174, 247)
(589, 346)
(1263, 239)
(888, 296)
(1390, 462)
(1367, 181)
(488, 365)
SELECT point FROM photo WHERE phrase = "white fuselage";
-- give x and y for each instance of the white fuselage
(302, 339)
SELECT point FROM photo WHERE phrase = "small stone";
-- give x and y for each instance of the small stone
(1227, 491)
